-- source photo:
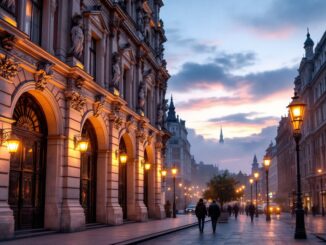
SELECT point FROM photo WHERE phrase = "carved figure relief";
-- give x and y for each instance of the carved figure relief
(43, 75)
(9, 5)
(8, 42)
(8, 68)
(77, 101)
(116, 70)
(77, 37)
(141, 96)
(98, 105)
(160, 115)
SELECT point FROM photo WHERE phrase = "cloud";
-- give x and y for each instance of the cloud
(218, 74)
(235, 154)
(235, 60)
(281, 17)
(244, 118)
(196, 104)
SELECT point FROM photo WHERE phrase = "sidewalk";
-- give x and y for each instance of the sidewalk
(109, 235)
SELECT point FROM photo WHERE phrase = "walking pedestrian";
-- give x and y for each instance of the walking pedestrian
(229, 210)
(201, 213)
(214, 212)
(306, 210)
(251, 210)
(236, 210)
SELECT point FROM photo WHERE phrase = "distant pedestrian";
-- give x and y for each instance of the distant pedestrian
(247, 210)
(306, 210)
(251, 210)
(313, 210)
(236, 210)
(229, 210)
(201, 213)
(214, 212)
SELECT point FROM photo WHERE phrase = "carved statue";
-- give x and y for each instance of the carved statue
(8, 68)
(116, 71)
(77, 37)
(9, 4)
(140, 20)
(141, 95)
(160, 115)
(43, 75)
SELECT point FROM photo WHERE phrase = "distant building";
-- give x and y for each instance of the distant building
(177, 155)
(271, 151)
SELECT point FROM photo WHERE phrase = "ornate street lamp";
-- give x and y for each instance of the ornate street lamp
(267, 163)
(81, 143)
(296, 110)
(174, 172)
(251, 181)
(320, 171)
(256, 175)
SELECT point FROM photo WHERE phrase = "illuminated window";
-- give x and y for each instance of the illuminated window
(33, 23)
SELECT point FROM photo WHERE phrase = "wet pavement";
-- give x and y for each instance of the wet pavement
(279, 231)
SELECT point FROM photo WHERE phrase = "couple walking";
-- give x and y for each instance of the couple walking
(201, 212)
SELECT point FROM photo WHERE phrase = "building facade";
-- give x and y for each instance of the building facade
(177, 155)
(72, 72)
(273, 183)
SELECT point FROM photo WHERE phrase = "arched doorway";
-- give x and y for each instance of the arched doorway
(88, 164)
(146, 176)
(27, 166)
(123, 180)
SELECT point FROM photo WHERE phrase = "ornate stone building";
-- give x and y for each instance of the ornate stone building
(178, 155)
(72, 72)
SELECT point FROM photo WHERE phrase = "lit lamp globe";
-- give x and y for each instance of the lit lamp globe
(296, 110)
(12, 144)
(256, 175)
(266, 162)
(174, 171)
(123, 157)
(147, 166)
(163, 172)
(319, 170)
(251, 180)
(82, 145)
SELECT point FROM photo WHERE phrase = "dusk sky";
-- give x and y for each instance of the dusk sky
(232, 64)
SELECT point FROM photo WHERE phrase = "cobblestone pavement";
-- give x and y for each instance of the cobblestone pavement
(279, 231)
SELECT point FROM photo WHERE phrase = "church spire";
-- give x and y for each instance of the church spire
(221, 136)
(171, 113)
(254, 165)
(309, 46)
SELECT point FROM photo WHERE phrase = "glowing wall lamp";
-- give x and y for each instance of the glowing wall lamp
(147, 166)
(164, 172)
(81, 143)
(122, 156)
(10, 140)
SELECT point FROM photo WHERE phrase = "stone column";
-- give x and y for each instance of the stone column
(7, 222)
(159, 209)
(101, 186)
(140, 211)
(53, 192)
(114, 211)
(72, 217)
(100, 62)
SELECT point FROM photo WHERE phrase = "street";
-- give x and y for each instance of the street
(279, 231)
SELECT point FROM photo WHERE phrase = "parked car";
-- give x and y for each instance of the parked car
(273, 208)
(190, 209)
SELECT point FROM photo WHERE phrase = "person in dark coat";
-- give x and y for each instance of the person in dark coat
(201, 213)
(214, 212)
(251, 210)
(236, 210)
(229, 210)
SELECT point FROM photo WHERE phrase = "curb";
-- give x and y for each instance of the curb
(319, 236)
(154, 235)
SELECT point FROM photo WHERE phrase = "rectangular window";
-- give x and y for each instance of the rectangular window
(33, 23)
(92, 58)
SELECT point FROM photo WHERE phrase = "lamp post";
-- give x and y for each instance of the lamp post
(251, 181)
(321, 192)
(296, 110)
(174, 172)
(267, 162)
(256, 175)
